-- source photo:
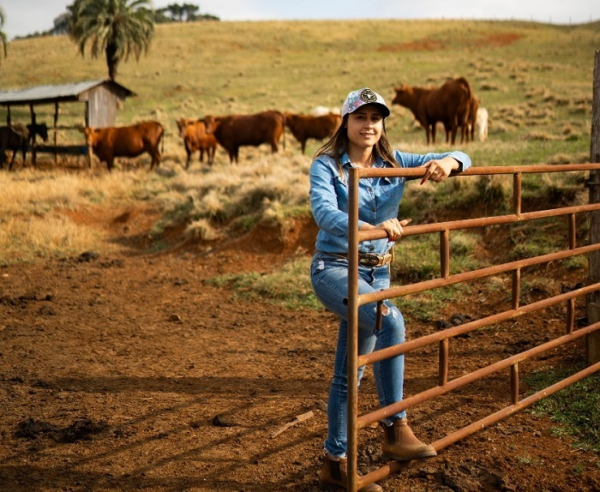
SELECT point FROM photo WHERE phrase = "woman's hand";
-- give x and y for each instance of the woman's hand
(439, 170)
(393, 227)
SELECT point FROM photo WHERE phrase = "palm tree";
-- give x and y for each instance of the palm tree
(3, 37)
(116, 27)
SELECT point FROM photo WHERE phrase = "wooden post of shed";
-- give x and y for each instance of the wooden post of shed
(87, 123)
(593, 308)
(55, 132)
(33, 139)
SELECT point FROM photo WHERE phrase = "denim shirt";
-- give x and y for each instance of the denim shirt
(379, 198)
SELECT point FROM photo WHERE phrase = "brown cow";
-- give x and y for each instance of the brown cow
(234, 131)
(195, 138)
(469, 120)
(14, 137)
(304, 126)
(447, 104)
(125, 141)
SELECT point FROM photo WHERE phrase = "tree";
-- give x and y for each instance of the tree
(176, 11)
(3, 37)
(62, 24)
(118, 28)
(187, 12)
(191, 11)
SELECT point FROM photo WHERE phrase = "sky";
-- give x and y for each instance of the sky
(24, 17)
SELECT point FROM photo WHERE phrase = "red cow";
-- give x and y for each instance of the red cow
(234, 131)
(126, 141)
(14, 137)
(448, 104)
(304, 126)
(195, 138)
(469, 120)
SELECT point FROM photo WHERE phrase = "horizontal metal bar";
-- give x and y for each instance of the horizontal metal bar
(404, 290)
(479, 171)
(461, 381)
(479, 222)
(524, 403)
(395, 466)
(411, 345)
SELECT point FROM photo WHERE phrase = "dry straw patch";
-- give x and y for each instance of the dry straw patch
(266, 190)
(41, 237)
(32, 223)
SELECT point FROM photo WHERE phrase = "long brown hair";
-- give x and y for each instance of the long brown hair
(339, 144)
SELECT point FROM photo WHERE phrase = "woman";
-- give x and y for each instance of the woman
(361, 141)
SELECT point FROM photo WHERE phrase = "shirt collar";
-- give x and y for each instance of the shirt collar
(345, 161)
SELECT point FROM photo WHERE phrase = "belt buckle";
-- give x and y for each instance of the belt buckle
(370, 259)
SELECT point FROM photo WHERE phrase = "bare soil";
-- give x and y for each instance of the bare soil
(130, 371)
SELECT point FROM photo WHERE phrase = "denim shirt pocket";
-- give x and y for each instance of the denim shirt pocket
(392, 187)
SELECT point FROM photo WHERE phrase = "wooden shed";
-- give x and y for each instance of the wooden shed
(101, 99)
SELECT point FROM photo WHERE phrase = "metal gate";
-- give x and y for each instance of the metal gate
(443, 338)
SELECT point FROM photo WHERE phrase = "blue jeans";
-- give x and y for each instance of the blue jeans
(329, 276)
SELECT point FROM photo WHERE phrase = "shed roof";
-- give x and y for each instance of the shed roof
(55, 93)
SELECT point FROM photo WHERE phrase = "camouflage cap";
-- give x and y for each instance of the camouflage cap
(363, 96)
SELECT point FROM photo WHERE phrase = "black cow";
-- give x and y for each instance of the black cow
(40, 129)
(14, 137)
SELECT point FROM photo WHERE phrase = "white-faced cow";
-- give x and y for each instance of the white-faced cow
(305, 126)
(323, 110)
(126, 141)
(448, 104)
(481, 124)
(235, 131)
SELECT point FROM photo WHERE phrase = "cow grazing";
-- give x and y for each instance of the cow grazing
(40, 129)
(235, 131)
(467, 120)
(448, 104)
(195, 138)
(323, 110)
(14, 137)
(126, 141)
(304, 126)
(481, 124)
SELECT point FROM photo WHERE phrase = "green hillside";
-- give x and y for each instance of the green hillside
(534, 79)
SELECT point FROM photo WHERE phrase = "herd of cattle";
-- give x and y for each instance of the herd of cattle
(453, 105)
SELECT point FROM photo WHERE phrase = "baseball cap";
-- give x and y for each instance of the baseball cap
(363, 96)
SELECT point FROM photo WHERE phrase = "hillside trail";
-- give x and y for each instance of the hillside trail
(129, 370)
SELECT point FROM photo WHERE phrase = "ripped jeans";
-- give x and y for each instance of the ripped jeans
(329, 276)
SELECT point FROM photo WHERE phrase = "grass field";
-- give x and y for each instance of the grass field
(534, 79)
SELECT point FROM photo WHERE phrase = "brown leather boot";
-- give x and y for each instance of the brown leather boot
(334, 475)
(401, 444)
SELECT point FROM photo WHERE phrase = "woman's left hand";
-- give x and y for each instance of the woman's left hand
(439, 170)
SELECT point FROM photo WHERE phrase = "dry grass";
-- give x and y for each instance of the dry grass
(39, 237)
(32, 204)
(534, 79)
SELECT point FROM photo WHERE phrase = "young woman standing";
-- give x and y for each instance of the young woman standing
(361, 141)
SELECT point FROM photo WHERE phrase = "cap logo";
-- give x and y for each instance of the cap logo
(368, 96)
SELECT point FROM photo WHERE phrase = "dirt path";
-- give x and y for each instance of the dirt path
(131, 372)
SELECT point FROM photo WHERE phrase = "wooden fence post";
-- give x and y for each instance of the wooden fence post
(593, 308)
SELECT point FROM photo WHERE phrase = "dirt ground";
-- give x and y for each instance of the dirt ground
(129, 371)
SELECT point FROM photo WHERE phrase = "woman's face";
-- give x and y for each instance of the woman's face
(365, 126)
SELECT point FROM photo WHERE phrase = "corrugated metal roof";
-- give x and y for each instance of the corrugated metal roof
(53, 92)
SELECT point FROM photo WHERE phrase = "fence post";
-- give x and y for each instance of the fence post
(593, 308)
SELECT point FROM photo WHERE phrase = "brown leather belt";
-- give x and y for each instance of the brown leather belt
(368, 259)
